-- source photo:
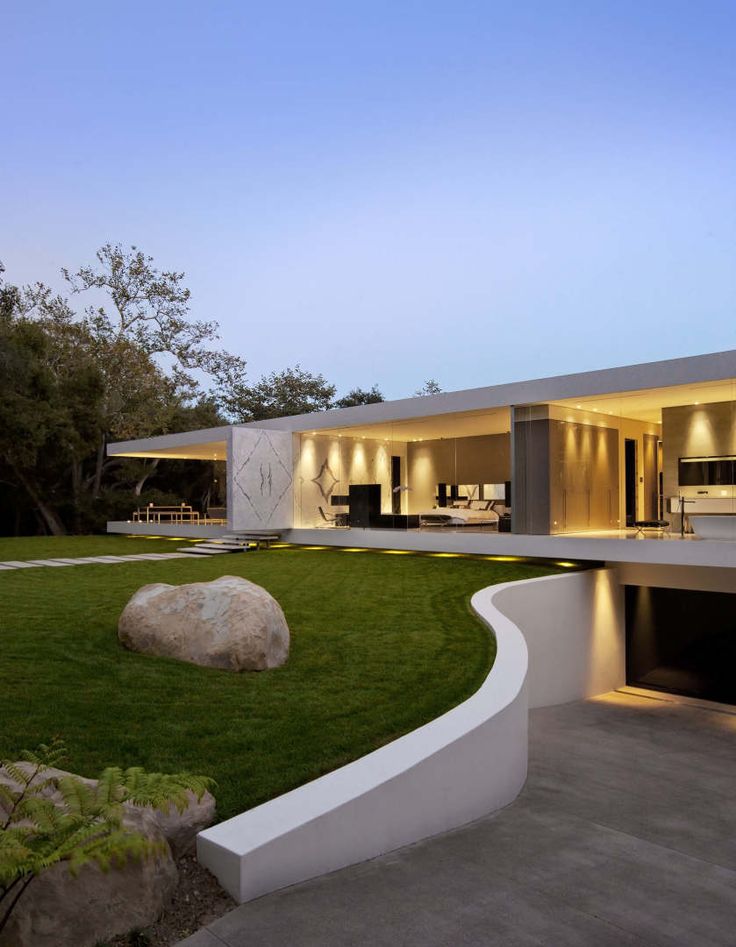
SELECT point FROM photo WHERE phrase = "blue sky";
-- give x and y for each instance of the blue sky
(384, 192)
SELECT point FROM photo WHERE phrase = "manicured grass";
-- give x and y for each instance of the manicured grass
(49, 547)
(380, 644)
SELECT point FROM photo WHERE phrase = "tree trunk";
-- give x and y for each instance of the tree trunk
(77, 492)
(50, 516)
(98, 469)
(139, 486)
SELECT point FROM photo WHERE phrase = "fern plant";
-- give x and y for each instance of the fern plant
(46, 819)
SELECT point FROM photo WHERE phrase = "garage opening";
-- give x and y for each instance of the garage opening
(682, 641)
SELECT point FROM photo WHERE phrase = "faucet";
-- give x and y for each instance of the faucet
(683, 500)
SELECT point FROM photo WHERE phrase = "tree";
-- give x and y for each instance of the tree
(150, 307)
(9, 296)
(280, 394)
(430, 387)
(50, 409)
(358, 396)
(70, 382)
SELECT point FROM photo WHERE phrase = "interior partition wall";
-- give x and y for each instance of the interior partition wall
(326, 466)
(699, 459)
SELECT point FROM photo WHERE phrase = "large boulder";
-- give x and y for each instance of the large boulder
(228, 623)
(59, 909)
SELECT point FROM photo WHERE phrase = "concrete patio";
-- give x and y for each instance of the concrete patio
(625, 834)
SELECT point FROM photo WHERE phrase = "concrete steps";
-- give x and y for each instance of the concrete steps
(229, 543)
(214, 547)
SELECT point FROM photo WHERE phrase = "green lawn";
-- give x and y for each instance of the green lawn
(380, 644)
(49, 547)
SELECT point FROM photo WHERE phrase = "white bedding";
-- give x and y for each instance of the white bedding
(454, 516)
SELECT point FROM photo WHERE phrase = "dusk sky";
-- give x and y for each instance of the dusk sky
(387, 192)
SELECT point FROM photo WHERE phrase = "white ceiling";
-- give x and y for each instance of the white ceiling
(459, 424)
(210, 450)
(647, 404)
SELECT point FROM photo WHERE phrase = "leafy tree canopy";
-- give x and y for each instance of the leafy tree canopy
(430, 387)
(360, 396)
(280, 394)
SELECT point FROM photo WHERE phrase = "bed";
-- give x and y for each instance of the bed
(472, 513)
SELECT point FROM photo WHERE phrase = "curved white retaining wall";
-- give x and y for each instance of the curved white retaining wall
(465, 764)
(573, 626)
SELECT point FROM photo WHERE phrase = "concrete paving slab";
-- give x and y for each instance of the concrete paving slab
(202, 938)
(19, 564)
(614, 840)
(4, 567)
(98, 559)
(52, 563)
(152, 556)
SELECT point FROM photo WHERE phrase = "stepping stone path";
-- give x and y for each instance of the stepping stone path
(83, 560)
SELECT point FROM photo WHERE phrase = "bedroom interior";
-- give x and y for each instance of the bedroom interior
(429, 472)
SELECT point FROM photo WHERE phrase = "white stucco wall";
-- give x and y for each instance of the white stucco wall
(326, 465)
(465, 764)
(574, 629)
(260, 491)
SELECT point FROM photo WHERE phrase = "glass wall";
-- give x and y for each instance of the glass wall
(606, 463)
(431, 473)
(626, 461)
(699, 462)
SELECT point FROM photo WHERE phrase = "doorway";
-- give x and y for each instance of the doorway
(681, 641)
(396, 485)
(630, 483)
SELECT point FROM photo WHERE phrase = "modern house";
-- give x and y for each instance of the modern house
(630, 472)
(634, 467)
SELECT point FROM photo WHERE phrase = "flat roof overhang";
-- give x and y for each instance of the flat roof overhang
(207, 444)
(638, 391)
(691, 371)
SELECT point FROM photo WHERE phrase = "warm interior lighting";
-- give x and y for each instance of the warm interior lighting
(445, 555)
(397, 552)
(348, 549)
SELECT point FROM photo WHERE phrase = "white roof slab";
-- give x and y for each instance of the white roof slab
(676, 371)
(669, 373)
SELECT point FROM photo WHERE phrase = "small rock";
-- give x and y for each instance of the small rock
(59, 908)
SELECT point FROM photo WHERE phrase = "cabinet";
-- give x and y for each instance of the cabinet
(583, 477)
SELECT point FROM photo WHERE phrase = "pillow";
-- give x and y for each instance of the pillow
(480, 504)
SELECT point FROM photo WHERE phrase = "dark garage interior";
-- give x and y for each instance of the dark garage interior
(682, 641)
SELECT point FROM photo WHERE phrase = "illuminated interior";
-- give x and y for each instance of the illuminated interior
(604, 463)
(418, 470)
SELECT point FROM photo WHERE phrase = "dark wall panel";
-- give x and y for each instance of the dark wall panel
(682, 641)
